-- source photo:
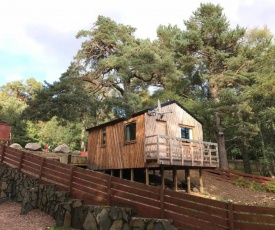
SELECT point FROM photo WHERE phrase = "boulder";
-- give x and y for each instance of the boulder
(76, 152)
(33, 146)
(62, 149)
(16, 146)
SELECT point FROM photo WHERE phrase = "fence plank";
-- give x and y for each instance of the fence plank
(251, 226)
(208, 210)
(188, 222)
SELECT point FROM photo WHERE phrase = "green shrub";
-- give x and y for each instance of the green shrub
(255, 186)
(270, 186)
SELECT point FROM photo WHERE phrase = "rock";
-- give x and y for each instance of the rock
(62, 149)
(76, 152)
(33, 146)
(90, 222)
(16, 146)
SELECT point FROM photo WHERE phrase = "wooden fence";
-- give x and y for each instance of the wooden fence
(187, 211)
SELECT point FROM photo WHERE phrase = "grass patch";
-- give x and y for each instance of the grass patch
(255, 186)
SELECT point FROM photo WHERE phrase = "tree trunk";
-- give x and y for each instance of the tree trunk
(221, 143)
(246, 163)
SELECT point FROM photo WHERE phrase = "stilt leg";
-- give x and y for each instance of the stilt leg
(175, 178)
(132, 175)
(121, 173)
(201, 181)
(162, 176)
(188, 182)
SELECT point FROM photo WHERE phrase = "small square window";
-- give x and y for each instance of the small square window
(185, 133)
(130, 132)
(103, 136)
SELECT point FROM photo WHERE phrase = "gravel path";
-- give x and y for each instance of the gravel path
(10, 218)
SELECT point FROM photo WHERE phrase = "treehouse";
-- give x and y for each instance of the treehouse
(163, 137)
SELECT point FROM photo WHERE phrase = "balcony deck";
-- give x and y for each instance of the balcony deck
(169, 150)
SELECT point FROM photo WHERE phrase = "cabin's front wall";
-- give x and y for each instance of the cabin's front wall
(170, 123)
(116, 153)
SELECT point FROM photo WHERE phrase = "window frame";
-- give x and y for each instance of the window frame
(190, 133)
(126, 141)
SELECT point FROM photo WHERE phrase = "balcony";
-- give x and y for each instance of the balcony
(169, 150)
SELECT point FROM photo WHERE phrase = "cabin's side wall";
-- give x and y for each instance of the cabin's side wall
(117, 154)
(174, 120)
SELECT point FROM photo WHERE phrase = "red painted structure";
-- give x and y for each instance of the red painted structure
(5, 130)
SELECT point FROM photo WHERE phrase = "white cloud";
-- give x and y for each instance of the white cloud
(44, 31)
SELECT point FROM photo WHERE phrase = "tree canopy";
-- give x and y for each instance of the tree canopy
(223, 74)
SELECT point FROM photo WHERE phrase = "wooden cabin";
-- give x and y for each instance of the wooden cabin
(165, 135)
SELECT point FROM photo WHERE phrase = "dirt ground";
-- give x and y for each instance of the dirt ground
(225, 191)
(11, 219)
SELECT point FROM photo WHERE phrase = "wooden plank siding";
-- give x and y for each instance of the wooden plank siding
(116, 153)
(178, 117)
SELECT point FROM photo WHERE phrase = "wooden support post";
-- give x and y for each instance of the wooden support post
(185, 175)
(230, 216)
(201, 181)
(162, 176)
(175, 178)
(147, 182)
(112, 172)
(41, 169)
(20, 161)
(3, 153)
(109, 192)
(121, 173)
(132, 175)
(71, 179)
(188, 181)
(161, 193)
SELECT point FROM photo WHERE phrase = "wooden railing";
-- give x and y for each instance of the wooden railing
(178, 151)
(186, 211)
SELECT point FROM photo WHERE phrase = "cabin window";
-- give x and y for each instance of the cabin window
(130, 132)
(186, 132)
(103, 136)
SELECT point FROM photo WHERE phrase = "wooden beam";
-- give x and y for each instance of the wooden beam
(175, 178)
(162, 176)
(188, 181)
(185, 175)
(201, 181)
(132, 175)
(147, 182)
(121, 173)
(112, 172)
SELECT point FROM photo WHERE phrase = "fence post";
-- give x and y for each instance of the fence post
(161, 193)
(41, 169)
(3, 153)
(20, 161)
(71, 179)
(109, 192)
(230, 215)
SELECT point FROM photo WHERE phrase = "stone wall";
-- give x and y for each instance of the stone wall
(70, 213)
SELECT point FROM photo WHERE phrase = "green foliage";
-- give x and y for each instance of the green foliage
(223, 75)
(270, 186)
(53, 133)
(255, 186)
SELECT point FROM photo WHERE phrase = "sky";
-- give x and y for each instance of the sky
(37, 37)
